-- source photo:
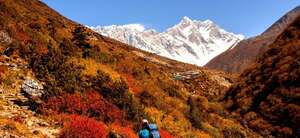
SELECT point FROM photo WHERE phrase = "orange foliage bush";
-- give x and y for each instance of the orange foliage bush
(3, 70)
(90, 103)
(126, 132)
(83, 127)
(41, 49)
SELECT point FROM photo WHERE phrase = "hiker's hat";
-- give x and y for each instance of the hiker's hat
(145, 121)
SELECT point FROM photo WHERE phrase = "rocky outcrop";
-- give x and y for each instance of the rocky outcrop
(186, 75)
(16, 120)
(32, 89)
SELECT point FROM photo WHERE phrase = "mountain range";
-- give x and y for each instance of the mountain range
(190, 41)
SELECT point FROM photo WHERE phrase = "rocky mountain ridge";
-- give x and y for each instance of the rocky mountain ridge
(240, 57)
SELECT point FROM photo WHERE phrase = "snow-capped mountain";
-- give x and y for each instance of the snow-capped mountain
(190, 41)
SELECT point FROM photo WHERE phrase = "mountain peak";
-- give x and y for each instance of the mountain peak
(208, 22)
(186, 21)
(137, 27)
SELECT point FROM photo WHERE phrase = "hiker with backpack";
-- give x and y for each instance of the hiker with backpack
(148, 130)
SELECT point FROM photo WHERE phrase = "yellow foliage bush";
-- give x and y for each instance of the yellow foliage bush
(175, 122)
(201, 134)
(11, 77)
(91, 67)
(227, 126)
(175, 103)
(212, 131)
(216, 108)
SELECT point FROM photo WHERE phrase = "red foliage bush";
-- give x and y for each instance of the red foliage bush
(22, 37)
(90, 103)
(83, 127)
(132, 84)
(165, 134)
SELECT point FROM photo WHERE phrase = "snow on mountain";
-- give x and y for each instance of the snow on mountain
(190, 41)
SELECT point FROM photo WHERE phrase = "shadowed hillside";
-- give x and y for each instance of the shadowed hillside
(266, 99)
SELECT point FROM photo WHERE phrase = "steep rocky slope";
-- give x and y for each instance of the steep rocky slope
(266, 99)
(190, 41)
(93, 85)
(18, 121)
(240, 57)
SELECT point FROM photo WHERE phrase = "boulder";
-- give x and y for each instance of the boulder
(32, 89)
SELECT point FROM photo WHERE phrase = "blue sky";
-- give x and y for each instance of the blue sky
(248, 17)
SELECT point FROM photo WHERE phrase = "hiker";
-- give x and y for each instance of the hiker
(148, 130)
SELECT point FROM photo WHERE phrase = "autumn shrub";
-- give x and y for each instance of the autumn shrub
(250, 116)
(132, 83)
(8, 77)
(83, 127)
(67, 48)
(174, 91)
(92, 68)
(90, 103)
(80, 36)
(216, 108)
(88, 51)
(147, 98)
(212, 131)
(198, 110)
(19, 129)
(170, 122)
(118, 93)
(3, 71)
(99, 56)
(233, 133)
(58, 75)
(125, 132)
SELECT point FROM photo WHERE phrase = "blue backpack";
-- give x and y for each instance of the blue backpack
(154, 131)
(144, 133)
